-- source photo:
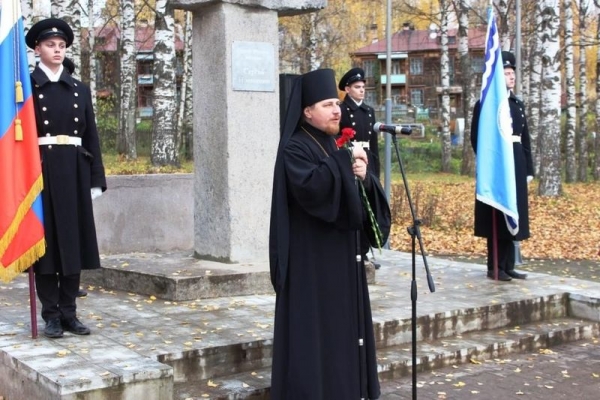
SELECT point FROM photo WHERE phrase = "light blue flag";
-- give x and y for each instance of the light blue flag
(495, 181)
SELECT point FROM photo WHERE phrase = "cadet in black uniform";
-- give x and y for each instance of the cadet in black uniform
(73, 175)
(359, 116)
(523, 175)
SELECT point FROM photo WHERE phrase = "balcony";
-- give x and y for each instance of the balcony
(397, 79)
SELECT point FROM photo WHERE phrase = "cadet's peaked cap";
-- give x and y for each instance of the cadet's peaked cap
(47, 28)
(317, 86)
(354, 75)
(508, 60)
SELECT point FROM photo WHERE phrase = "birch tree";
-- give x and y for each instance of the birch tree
(445, 80)
(582, 134)
(91, 44)
(596, 171)
(126, 136)
(184, 120)
(569, 64)
(504, 28)
(535, 89)
(70, 12)
(550, 180)
(27, 11)
(468, 86)
(164, 151)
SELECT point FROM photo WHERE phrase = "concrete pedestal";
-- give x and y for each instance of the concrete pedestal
(236, 123)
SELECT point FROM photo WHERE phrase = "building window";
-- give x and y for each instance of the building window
(416, 97)
(396, 67)
(145, 67)
(371, 97)
(416, 66)
(477, 64)
(368, 67)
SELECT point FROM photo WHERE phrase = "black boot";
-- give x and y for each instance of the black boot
(53, 328)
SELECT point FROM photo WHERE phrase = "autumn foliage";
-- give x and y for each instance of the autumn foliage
(565, 227)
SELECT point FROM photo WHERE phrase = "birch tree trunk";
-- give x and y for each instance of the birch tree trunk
(164, 151)
(569, 63)
(70, 12)
(502, 7)
(582, 135)
(550, 180)
(27, 13)
(535, 90)
(468, 87)
(184, 120)
(126, 140)
(596, 171)
(91, 43)
(445, 76)
(313, 40)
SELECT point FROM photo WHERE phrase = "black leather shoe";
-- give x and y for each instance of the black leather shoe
(73, 325)
(81, 293)
(502, 276)
(53, 329)
(516, 275)
(376, 265)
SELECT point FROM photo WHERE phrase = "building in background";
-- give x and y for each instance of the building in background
(415, 72)
(108, 60)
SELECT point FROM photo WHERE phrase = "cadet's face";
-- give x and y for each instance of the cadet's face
(52, 51)
(509, 75)
(356, 90)
(324, 115)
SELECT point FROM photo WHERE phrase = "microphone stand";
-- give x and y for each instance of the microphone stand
(415, 234)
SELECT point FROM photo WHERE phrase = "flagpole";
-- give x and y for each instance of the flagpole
(495, 243)
(32, 304)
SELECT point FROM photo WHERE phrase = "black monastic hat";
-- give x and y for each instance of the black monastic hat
(354, 75)
(317, 86)
(47, 28)
(508, 60)
(69, 65)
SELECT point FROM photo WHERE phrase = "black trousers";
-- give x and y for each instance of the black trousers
(57, 293)
(506, 255)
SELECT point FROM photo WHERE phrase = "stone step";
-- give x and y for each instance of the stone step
(396, 361)
(178, 276)
(239, 354)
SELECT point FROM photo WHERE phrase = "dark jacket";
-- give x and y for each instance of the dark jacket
(523, 168)
(361, 119)
(69, 172)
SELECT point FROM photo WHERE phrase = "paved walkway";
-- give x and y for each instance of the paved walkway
(570, 371)
(127, 325)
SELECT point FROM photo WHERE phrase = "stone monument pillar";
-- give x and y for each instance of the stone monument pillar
(236, 122)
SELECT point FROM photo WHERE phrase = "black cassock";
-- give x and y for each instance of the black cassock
(314, 218)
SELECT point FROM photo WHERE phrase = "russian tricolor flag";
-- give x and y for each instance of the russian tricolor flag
(21, 215)
(495, 175)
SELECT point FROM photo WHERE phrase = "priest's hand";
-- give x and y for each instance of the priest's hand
(96, 192)
(359, 168)
(360, 154)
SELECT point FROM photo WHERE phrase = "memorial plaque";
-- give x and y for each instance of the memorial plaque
(253, 66)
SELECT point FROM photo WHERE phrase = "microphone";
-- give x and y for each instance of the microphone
(393, 129)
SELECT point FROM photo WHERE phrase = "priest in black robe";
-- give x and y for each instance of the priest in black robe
(324, 346)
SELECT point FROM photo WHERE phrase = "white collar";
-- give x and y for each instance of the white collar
(51, 75)
(358, 103)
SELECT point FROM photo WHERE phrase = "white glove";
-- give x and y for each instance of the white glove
(96, 192)
(529, 178)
